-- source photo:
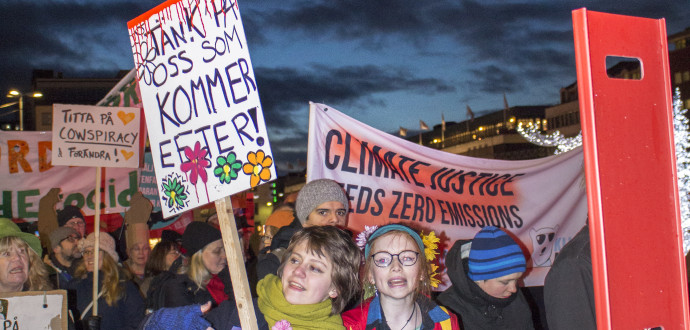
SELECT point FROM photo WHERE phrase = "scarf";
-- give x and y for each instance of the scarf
(275, 308)
(216, 288)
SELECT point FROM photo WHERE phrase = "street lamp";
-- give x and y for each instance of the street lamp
(20, 95)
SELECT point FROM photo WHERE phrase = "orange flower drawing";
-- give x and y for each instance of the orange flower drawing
(258, 165)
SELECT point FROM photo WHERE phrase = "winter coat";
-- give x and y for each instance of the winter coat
(182, 291)
(569, 287)
(126, 313)
(369, 316)
(59, 275)
(475, 308)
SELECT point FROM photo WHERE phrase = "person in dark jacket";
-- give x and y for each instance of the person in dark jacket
(319, 203)
(120, 305)
(200, 281)
(65, 255)
(569, 286)
(484, 274)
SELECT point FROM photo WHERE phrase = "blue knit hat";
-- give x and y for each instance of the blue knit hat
(494, 254)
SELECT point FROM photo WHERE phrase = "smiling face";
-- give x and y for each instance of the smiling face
(329, 213)
(213, 257)
(88, 259)
(14, 267)
(396, 280)
(306, 277)
(500, 287)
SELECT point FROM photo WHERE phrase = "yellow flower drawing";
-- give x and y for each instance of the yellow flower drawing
(258, 165)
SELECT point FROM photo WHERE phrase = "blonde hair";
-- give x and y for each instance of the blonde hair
(424, 284)
(37, 279)
(196, 271)
(113, 288)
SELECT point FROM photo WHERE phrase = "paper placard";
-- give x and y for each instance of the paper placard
(32, 310)
(85, 135)
(200, 95)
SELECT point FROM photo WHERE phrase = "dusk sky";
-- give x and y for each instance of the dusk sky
(386, 63)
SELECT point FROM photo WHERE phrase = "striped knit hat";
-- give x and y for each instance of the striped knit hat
(494, 254)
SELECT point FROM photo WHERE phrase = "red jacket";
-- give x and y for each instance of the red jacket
(367, 316)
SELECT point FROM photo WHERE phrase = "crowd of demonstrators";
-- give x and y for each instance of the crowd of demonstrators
(397, 269)
(310, 275)
(319, 203)
(484, 273)
(119, 302)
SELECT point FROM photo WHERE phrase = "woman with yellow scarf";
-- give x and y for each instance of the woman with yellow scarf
(317, 277)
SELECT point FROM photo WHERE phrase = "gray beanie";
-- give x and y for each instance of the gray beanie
(316, 193)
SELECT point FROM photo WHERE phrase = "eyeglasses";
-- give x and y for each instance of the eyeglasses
(406, 258)
(72, 238)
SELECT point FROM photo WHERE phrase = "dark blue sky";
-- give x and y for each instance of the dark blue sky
(387, 63)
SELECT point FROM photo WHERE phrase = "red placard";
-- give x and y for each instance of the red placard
(638, 263)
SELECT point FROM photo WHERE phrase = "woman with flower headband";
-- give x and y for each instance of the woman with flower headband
(397, 266)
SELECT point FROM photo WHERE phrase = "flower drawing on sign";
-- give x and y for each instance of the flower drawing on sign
(258, 165)
(175, 191)
(228, 167)
(196, 164)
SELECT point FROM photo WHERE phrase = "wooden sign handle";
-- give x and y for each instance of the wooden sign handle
(238, 272)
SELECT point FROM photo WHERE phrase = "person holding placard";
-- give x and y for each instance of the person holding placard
(319, 203)
(199, 282)
(21, 268)
(120, 305)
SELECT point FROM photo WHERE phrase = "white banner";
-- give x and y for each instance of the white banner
(205, 123)
(96, 136)
(27, 173)
(542, 202)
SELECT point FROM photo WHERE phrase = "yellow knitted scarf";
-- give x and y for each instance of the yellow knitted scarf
(275, 308)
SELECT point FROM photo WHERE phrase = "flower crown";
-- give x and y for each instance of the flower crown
(430, 249)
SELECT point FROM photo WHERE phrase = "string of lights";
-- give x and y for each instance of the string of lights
(681, 136)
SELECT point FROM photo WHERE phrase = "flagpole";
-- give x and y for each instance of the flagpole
(443, 132)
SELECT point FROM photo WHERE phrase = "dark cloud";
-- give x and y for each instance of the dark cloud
(286, 89)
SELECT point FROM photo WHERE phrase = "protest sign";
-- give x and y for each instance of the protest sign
(542, 202)
(96, 136)
(27, 174)
(34, 310)
(201, 101)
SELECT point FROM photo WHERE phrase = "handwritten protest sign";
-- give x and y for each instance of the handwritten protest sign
(34, 310)
(391, 180)
(204, 119)
(27, 174)
(96, 136)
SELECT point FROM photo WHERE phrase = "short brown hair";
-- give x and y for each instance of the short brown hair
(340, 249)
